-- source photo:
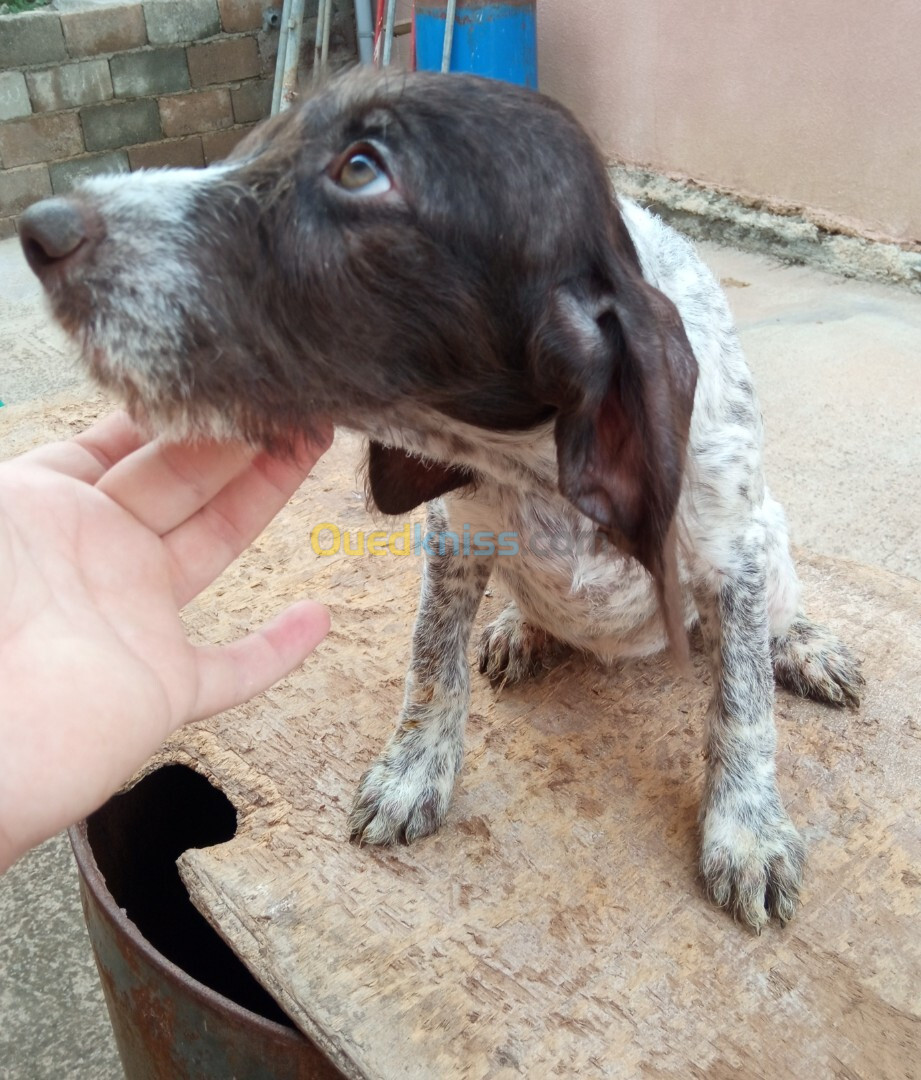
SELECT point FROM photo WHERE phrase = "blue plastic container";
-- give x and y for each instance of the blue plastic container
(498, 40)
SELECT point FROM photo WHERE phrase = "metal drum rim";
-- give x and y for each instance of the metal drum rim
(96, 885)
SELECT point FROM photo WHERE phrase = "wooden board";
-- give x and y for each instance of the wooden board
(555, 926)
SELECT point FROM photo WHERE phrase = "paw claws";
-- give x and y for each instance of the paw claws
(755, 879)
(512, 650)
(393, 807)
(810, 661)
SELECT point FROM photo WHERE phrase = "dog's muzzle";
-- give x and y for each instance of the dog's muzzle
(55, 234)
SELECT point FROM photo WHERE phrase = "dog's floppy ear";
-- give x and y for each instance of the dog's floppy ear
(399, 481)
(618, 358)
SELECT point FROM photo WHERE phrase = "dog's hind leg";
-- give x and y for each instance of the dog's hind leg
(512, 649)
(812, 662)
(808, 659)
(406, 792)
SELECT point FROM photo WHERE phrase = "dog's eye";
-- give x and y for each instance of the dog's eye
(363, 174)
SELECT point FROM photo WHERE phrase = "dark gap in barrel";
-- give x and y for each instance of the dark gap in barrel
(136, 838)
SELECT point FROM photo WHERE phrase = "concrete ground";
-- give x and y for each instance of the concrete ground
(838, 366)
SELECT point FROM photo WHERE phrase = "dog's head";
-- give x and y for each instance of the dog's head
(395, 245)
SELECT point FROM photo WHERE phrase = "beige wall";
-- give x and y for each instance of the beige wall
(807, 103)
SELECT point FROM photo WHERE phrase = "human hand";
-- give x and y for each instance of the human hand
(103, 539)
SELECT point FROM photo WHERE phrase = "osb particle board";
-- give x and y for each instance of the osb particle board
(555, 926)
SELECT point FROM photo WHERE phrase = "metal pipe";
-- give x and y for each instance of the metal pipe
(379, 32)
(280, 57)
(292, 55)
(327, 20)
(318, 45)
(365, 30)
(449, 36)
(388, 31)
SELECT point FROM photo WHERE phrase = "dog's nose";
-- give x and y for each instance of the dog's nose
(50, 232)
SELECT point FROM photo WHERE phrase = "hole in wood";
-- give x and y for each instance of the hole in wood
(136, 838)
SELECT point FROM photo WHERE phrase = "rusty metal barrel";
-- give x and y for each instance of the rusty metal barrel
(182, 1005)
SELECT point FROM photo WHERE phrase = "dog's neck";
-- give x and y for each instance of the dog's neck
(526, 459)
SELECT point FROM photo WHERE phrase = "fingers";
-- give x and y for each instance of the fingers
(231, 674)
(209, 541)
(111, 439)
(164, 484)
(89, 455)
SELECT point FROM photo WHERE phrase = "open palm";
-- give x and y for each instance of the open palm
(102, 540)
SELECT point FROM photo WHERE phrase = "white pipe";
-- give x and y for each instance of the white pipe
(449, 36)
(292, 55)
(327, 21)
(280, 58)
(388, 30)
(364, 26)
(318, 48)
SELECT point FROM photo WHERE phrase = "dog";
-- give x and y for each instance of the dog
(439, 263)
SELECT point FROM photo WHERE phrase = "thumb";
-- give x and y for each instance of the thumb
(228, 675)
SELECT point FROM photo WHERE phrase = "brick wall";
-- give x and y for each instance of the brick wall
(139, 85)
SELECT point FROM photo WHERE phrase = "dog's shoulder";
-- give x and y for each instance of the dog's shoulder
(671, 263)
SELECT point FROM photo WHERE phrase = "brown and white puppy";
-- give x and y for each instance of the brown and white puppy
(438, 262)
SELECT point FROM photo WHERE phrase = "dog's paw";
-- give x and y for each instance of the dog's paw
(401, 798)
(512, 649)
(755, 873)
(812, 662)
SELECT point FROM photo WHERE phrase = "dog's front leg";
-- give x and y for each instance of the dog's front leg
(752, 857)
(406, 792)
